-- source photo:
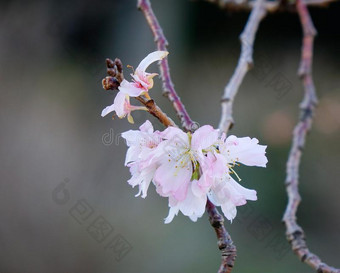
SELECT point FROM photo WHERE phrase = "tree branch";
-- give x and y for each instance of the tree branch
(245, 62)
(154, 110)
(295, 234)
(168, 87)
(225, 243)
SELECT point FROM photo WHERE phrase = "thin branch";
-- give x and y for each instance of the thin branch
(154, 110)
(295, 233)
(245, 62)
(168, 87)
(225, 243)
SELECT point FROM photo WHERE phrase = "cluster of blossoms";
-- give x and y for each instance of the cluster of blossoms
(190, 168)
(140, 85)
(187, 168)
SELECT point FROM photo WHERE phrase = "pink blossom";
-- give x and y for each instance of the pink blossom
(189, 168)
(245, 150)
(182, 156)
(229, 194)
(139, 155)
(142, 82)
(121, 105)
(192, 206)
(225, 191)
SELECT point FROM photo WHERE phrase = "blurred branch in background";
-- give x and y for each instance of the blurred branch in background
(245, 62)
(295, 233)
(271, 6)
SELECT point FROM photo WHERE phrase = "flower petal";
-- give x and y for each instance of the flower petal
(204, 137)
(229, 210)
(108, 110)
(146, 127)
(193, 206)
(172, 179)
(246, 150)
(174, 133)
(152, 57)
(120, 102)
(130, 89)
(172, 213)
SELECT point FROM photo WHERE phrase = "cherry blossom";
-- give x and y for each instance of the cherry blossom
(139, 156)
(188, 168)
(121, 105)
(140, 85)
(143, 81)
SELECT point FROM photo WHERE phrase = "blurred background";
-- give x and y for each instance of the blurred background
(65, 205)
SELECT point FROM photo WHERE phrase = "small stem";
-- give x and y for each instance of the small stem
(168, 87)
(154, 110)
(294, 232)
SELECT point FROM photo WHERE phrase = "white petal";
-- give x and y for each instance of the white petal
(119, 104)
(132, 137)
(130, 89)
(108, 110)
(146, 127)
(193, 206)
(246, 150)
(172, 212)
(132, 155)
(241, 194)
(152, 57)
(204, 137)
(173, 180)
(175, 134)
(229, 210)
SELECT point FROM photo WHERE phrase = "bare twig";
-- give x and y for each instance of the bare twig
(168, 87)
(225, 243)
(245, 62)
(295, 233)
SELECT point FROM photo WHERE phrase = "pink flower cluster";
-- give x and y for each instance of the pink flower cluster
(190, 168)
